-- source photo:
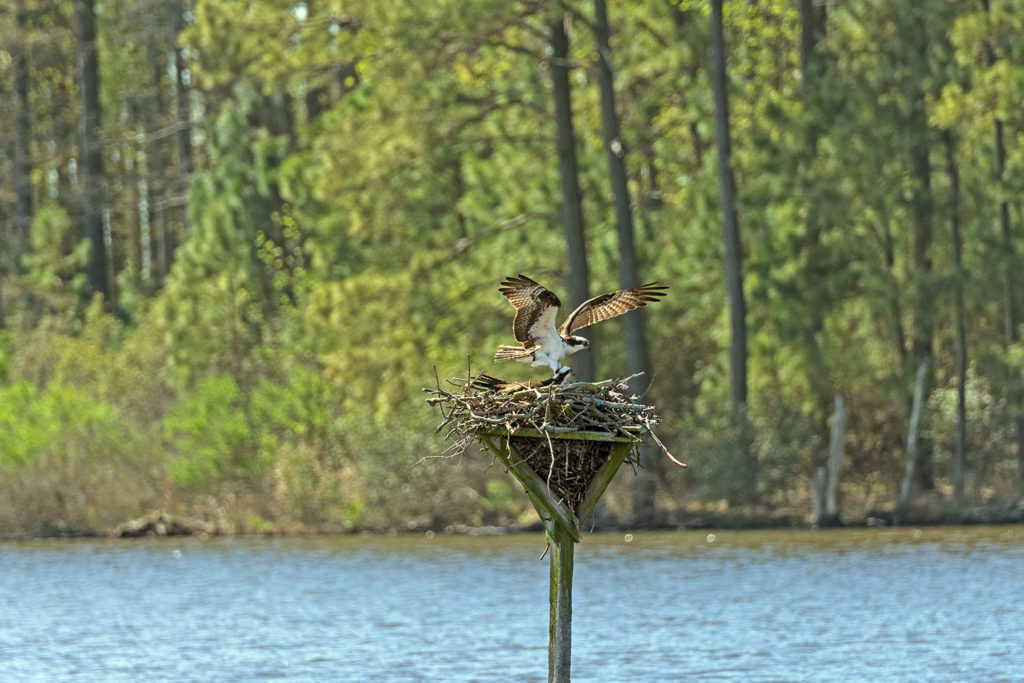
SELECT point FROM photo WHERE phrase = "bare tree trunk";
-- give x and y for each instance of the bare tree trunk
(899, 339)
(1011, 320)
(730, 220)
(912, 441)
(175, 184)
(923, 329)
(1010, 303)
(157, 166)
(637, 358)
(22, 134)
(746, 479)
(812, 30)
(836, 451)
(184, 112)
(144, 206)
(568, 168)
(922, 217)
(826, 480)
(961, 326)
(815, 257)
(91, 167)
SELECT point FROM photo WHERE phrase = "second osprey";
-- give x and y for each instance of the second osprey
(544, 345)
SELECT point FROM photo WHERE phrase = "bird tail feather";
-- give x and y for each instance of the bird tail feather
(511, 353)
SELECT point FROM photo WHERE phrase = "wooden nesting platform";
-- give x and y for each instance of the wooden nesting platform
(563, 476)
(563, 442)
(566, 465)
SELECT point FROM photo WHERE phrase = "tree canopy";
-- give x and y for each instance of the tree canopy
(237, 243)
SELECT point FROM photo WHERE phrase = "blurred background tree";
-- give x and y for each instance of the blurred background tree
(236, 245)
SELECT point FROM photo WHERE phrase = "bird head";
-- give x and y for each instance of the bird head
(577, 343)
(562, 375)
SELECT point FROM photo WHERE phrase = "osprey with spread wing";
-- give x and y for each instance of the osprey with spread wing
(544, 345)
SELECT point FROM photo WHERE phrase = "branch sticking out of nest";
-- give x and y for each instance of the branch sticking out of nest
(485, 404)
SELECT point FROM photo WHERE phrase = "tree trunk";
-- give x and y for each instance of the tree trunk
(157, 167)
(961, 326)
(1010, 317)
(912, 441)
(175, 184)
(1012, 323)
(91, 154)
(815, 260)
(825, 486)
(924, 296)
(184, 111)
(22, 134)
(730, 220)
(747, 479)
(921, 215)
(637, 358)
(145, 210)
(812, 30)
(568, 168)
(836, 451)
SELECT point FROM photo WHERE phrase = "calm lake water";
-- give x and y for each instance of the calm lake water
(936, 604)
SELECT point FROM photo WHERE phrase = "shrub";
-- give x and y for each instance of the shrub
(68, 463)
(210, 437)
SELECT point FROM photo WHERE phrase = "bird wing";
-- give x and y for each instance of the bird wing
(502, 386)
(488, 383)
(491, 383)
(610, 305)
(535, 306)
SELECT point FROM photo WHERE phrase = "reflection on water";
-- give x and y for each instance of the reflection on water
(942, 604)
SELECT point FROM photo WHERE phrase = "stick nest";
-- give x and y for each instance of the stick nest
(568, 465)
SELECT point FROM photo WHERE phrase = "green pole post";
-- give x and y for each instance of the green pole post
(563, 530)
(560, 551)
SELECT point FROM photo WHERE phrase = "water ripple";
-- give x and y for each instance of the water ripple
(867, 605)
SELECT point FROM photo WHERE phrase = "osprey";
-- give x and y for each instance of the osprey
(501, 386)
(543, 345)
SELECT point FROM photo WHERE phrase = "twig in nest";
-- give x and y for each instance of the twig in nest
(666, 452)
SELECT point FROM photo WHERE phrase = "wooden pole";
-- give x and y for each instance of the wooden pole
(561, 547)
(563, 529)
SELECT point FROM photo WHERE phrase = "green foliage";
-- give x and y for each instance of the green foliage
(50, 421)
(55, 263)
(258, 525)
(353, 198)
(211, 436)
(69, 463)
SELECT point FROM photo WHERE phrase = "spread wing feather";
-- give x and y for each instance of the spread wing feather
(491, 383)
(535, 306)
(611, 305)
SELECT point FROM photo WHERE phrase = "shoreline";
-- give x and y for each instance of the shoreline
(163, 524)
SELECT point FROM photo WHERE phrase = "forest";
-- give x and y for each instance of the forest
(239, 237)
